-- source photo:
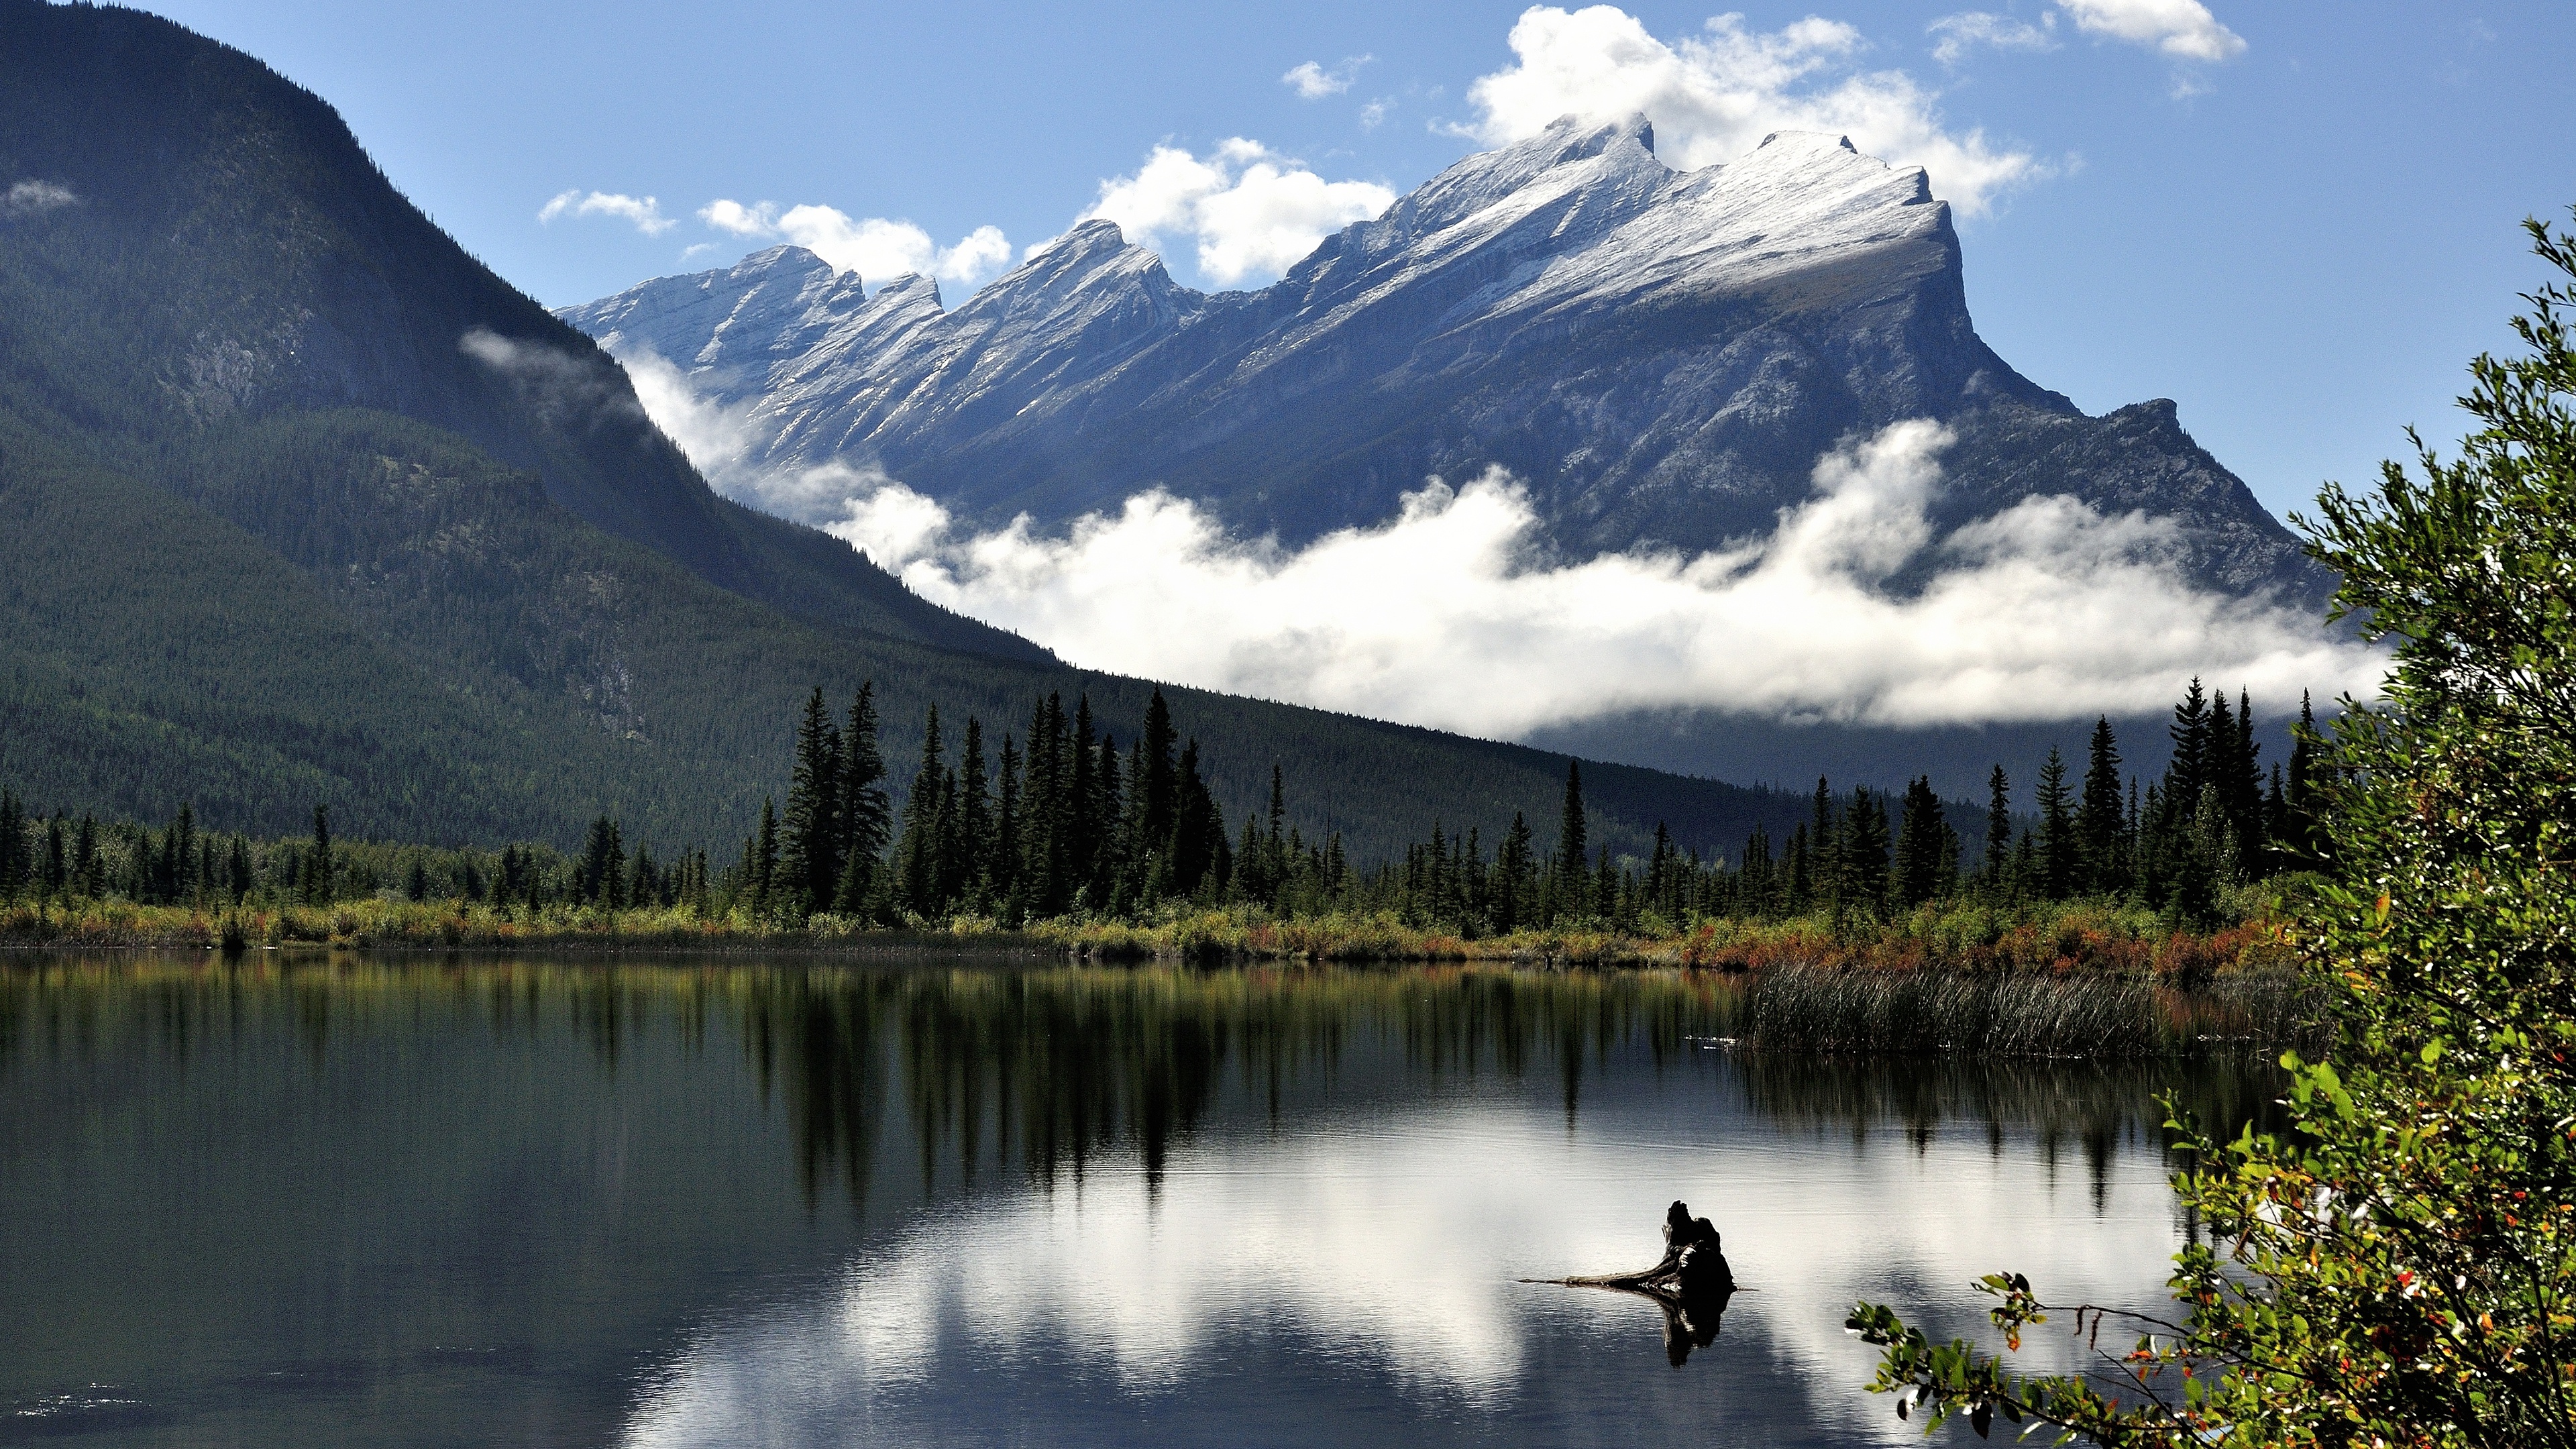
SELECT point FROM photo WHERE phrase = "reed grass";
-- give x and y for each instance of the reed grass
(1808, 1009)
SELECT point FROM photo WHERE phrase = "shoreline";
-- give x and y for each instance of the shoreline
(2056, 939)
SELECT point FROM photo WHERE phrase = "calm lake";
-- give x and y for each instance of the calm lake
(937, 1199)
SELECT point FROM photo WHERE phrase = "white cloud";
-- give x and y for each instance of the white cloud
(1444, 615)
(1392, 1251)
(34, 198)
(2183, 29)
(2048, 611)
(1956, 35)
(1312, 82)
(563, 387)
(876, 248)
(722, 442)
(1374, 114)
(1252, 212)
(1713, 96)
(741, 220)
(644, 212)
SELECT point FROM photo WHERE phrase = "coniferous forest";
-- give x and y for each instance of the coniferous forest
(1058, 819)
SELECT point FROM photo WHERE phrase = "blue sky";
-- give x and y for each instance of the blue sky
(2297, 220)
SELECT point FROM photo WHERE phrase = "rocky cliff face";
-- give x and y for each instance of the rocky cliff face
(1661, 356)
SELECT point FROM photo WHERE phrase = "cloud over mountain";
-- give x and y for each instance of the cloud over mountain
(1445, 616)
(876, 248)
(1251, 211)
(1855, 608)
(1713, 96)
(644, 213)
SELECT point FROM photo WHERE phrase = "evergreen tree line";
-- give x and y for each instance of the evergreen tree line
(1054, 821)
(62, 859)
(1062, 820)
(2214, 818)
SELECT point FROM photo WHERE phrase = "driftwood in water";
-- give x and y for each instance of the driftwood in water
(1691, 1283)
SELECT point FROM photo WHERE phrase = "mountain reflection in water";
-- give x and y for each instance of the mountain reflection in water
(943, 1200)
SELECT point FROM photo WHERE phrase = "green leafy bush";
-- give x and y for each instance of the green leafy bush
(2400, 1267)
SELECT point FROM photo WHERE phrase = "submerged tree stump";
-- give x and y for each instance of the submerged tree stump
(1691, 1283)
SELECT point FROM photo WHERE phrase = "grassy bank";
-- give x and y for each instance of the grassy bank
(1955, 937)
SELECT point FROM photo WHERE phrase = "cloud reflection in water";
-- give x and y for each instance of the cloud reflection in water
(1388, 1243)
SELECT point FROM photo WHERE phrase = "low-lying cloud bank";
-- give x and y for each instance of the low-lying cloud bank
(1447, 616)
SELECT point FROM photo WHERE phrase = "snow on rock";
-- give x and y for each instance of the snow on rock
(1662, 355)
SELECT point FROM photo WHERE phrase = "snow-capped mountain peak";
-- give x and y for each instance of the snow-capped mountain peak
(1661, 355)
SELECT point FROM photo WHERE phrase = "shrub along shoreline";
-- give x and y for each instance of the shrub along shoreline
(2048, 938)
(2075, 983)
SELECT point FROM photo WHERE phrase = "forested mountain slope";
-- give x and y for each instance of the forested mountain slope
(215, 248)
(272, 531)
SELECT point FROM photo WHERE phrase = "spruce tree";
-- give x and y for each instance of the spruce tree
(810, 850)
(2245, 782)
(1161, 791)
(13, 847)
(2150, 850)
(1662, 885)
(1515, 873)
(2098, 815)
(318, 865)
(1570, 837)
(764, 860)
(1274, 864)
(947, 849)
(1999, 829)
(1198, 854)
(2058, 851)
(595, 878)
(1922, 845)
(1108, 830)
(917, 848)
(179, 854)
(1824, 853)
(1081, 798)
(1863, 851)
(2276, 822)
(974, 816)
(1758, 881)
(1005, 858)
(2299, 791)
(864, 813)
(2189, 768)
(643, 881)
(1043, 810)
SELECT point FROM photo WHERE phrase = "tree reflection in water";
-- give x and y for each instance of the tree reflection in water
(1000, 1062)
(1312, 1170)
(1054, 1066)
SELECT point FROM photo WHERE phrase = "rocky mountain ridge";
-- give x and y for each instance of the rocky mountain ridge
(1661, 356)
